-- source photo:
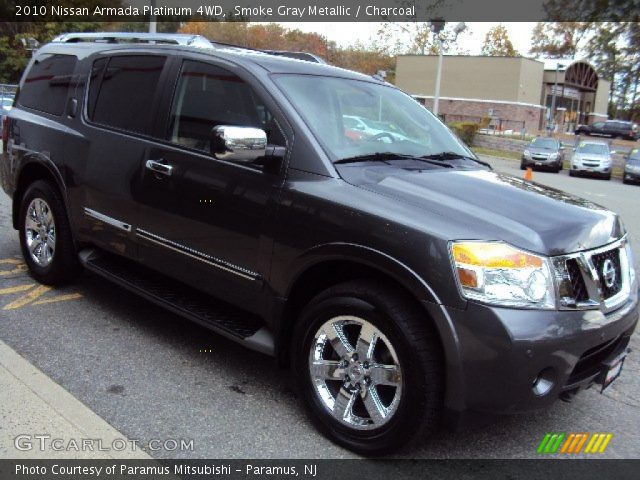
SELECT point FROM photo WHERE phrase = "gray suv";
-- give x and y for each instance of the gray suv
(404, 282)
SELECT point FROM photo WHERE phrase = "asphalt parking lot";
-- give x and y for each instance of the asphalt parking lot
(152, 375)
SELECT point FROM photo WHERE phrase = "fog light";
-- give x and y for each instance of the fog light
(544, 382)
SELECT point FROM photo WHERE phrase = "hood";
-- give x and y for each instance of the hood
(495, 206)
(593, 156)
(539, 150)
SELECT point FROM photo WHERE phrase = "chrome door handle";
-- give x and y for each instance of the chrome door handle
(158, 167)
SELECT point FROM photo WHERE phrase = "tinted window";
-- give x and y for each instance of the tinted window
(548, 143)
(46, 85)
(125, 93)
(595, 148)
(207, 96)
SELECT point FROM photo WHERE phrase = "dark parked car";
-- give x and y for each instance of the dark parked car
(543, 152)
(610, 128)
(632, 167)
(402, 280)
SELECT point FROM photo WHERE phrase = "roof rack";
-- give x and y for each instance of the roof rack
(136, 37)
(184, 39)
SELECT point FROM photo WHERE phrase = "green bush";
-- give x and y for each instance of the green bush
(465, 130)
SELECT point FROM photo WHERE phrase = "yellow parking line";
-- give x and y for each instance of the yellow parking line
(27, 298)
(16, 289)
(61, 298)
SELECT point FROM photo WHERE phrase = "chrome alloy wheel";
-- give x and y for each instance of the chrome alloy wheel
(40, 232)
(355, 372)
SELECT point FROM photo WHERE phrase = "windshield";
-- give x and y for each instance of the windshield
(594, 148)
(548, 143)
(353, 118)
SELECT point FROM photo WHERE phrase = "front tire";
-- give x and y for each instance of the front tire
(45, 235)
(369, 367)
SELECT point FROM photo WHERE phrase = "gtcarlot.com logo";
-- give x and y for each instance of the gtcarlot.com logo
(574, 443)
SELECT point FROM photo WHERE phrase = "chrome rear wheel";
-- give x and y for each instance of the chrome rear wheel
(40, 232)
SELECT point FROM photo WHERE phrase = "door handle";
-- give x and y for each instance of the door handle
(158, 167)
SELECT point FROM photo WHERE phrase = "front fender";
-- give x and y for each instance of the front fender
(411, 281)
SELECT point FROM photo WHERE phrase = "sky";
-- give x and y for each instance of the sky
(345, 34)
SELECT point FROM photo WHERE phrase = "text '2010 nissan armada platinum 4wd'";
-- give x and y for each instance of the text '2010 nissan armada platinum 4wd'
(403, 280)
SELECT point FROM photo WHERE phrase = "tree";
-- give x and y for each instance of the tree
(13, 54)
(613, 48)
(272, 36)
(416, 38)
(498, 44)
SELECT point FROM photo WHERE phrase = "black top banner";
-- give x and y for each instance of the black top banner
(320, 10)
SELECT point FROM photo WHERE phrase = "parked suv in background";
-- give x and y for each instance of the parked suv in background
(610, 128)
(632, 167)
(592, 158)
(405, 282)
(543, 152)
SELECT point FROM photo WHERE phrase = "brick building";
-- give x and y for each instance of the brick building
(514, 92)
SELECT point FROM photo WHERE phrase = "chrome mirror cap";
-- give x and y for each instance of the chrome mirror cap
(238, 144)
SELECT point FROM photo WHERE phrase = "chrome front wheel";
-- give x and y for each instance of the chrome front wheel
(40, 232)
(355, 372)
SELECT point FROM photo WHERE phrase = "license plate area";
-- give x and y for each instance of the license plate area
(611, 370)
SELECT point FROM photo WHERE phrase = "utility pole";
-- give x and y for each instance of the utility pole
(553, 97)
(152, 18)
(436, 28)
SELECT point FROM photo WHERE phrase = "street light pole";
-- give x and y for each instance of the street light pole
(553, 96)
(437, 26)
(152, 19)
(436, 97)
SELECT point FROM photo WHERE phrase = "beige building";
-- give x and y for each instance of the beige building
(514, 92)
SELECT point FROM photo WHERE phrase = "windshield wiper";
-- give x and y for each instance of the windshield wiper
(444, 156)
(374, 157)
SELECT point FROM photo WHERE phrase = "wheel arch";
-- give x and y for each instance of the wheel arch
(35, 168)
(328, 265)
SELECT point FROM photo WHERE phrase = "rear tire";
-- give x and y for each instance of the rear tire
(523, 166)
(387, 406)
(45, 235)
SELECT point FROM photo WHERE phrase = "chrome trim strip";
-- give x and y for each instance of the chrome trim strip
(107, 219)
(196, 255)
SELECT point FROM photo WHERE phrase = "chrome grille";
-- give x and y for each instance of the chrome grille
(578, 288)
(597, 278)
(599, 262)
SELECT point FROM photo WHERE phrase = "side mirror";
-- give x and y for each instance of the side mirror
(238, 144)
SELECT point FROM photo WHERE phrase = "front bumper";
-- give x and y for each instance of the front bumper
(631, 176)
(539, 162)
(504, 351)
(586, 169)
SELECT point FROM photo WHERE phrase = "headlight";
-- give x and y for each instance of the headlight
(553, 156)
(630, 261)
(499, 274)
(527, 154)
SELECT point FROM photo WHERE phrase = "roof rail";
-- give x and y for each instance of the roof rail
(184, 39)
(136, 37)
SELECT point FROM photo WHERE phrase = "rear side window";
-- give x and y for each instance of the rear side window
(45, 88)
(121, 91)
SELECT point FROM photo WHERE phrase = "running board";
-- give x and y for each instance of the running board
(236, 324)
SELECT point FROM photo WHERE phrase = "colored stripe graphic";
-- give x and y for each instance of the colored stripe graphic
(598, 443)
(573, 443)
(550, 443)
